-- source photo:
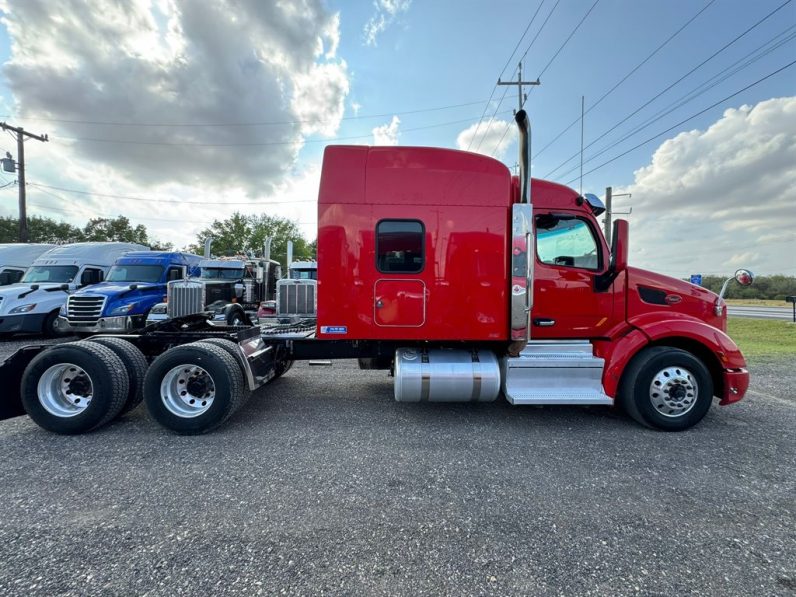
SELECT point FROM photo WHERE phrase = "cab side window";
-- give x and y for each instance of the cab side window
(400, 246)
(566, 241)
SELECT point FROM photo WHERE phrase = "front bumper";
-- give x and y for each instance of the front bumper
(736, 382)
(123, 323)
(24, 323)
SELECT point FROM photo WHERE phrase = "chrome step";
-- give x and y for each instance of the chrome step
(554, 372)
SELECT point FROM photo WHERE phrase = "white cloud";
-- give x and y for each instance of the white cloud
(714, 200)
(387, 134)
(387, 11)
(184, 62)
(490, 138)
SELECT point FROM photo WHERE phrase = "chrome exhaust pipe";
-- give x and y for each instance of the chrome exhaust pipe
(524, 126)
(208, 242)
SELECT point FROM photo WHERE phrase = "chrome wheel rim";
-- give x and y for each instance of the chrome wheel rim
(65, 390)
(673, 391)
(187, 391)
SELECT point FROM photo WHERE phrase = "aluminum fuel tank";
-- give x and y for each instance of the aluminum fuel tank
(442, 375)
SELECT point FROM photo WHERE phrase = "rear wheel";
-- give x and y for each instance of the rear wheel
(231, 348)
(194, 388)
(74, 388)
(666, 388)
(135, 364)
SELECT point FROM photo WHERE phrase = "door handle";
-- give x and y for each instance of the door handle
(544, 323)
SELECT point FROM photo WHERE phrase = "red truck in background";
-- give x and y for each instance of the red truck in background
(461, 280)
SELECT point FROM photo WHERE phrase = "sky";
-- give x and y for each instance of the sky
(177, 112)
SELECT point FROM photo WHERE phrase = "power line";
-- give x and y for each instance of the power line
(74, 213)
(682, 100)
(566, 41)
(670, 86)
(491, 95)
(628, 75)
(253, 123)
(710, 107)
(157, 200)
(261, 144)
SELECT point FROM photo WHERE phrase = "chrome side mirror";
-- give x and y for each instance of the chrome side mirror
(744, 277)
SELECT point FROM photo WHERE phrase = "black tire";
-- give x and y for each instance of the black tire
(225, 381)
(135, 364)
(108, 387)
(232, 349)
(48, 328)
(236, 317)
(688, 384)
(282, 367)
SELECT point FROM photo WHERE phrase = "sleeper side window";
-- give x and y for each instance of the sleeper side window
(567, 242)
(400, 246)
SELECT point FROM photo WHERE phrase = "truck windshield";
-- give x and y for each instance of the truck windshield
(135, 273)
(221, 273)
(303, 274)
(50, 273)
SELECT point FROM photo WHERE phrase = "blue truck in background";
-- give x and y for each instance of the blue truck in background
(120, 303)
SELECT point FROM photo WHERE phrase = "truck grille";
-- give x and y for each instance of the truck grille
(84, 309)
(185, 297)
(296, 297)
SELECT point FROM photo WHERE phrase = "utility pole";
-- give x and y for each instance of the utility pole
(519, 83)
(609, 211)
(20, 135)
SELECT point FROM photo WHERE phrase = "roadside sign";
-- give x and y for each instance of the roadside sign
(696, 279)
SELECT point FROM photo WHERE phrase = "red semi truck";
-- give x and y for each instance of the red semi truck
(462, 280)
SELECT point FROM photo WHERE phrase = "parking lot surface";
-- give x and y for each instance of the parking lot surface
(322, 484)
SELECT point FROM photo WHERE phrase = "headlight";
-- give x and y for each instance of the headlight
(23, 308)
(123, 310)
(158, 309)
(62, 310)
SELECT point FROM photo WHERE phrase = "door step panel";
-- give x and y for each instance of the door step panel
(555, 372)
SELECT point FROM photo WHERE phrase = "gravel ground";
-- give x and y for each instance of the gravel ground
(324, 484)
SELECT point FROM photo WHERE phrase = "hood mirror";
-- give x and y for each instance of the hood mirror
(744, 277)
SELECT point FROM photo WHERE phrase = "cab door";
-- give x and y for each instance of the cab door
(567, 303)
(399, 294)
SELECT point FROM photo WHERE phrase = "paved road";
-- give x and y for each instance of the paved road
(760, 312)
(324, 484)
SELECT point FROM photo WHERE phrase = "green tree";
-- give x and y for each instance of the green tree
(40, 230)
(240, 233)
(116, 229)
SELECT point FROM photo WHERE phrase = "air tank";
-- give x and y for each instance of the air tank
(446, 375)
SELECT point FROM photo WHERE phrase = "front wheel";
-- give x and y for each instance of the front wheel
(666, 388)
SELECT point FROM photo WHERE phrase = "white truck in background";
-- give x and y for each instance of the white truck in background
(32, 304)
(16, 258)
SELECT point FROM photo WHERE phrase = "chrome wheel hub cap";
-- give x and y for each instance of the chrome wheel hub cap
(187, 391)
(673, 391)
(65, 390)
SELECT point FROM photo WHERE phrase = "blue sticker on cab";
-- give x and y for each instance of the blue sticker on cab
(334, 329)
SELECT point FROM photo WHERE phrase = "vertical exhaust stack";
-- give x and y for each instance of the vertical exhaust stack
(208, 243)
(522, 246)
(289, 254)
(267, 248)
(524, 128)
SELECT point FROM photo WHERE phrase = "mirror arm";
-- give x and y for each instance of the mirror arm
(718, 307)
